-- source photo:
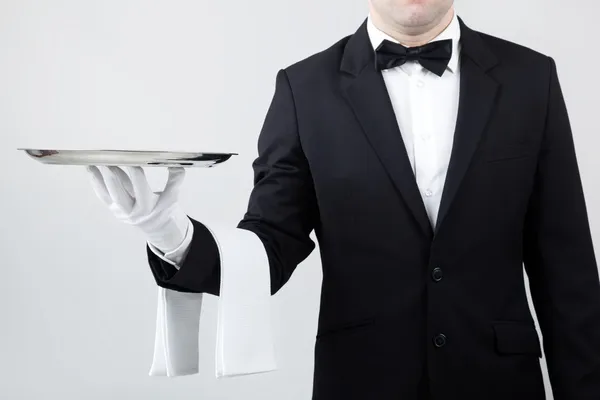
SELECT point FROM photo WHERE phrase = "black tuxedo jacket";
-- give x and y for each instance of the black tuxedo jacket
(410, 312)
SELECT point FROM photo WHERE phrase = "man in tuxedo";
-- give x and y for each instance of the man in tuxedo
(432, 162)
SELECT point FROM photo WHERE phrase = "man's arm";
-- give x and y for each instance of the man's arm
(242, 265)
(560, 262)
(282, 208)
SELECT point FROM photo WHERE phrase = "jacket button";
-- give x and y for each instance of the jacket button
(437, 274)
(439, 340)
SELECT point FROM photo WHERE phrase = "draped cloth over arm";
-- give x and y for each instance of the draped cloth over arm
(244, 331)
(245, 265)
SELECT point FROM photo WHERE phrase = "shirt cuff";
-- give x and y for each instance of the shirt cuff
(176, 256)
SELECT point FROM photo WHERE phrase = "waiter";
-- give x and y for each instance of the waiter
(432, 161)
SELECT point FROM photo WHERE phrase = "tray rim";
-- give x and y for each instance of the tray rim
(28, 149)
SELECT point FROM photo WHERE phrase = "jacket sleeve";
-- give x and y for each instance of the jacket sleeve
(560, 262)
(281, 211)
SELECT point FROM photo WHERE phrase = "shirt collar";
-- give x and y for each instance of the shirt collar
(452, 31)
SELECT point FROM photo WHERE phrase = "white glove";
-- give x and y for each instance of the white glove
(132, 201)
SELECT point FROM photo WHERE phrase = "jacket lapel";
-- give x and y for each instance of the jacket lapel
(365, 90)
(476, 100)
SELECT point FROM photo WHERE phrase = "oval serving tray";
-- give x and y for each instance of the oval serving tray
(140, 158)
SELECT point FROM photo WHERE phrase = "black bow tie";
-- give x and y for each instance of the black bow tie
(434, 55)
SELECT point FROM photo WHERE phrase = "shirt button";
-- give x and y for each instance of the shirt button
(425, 137)
(437, 274)
(428, 193)
(439, 340)
(420, 83)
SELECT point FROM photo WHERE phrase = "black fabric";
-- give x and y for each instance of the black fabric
(331, 159)
(204, 275)
(517, 338)
(433, 56)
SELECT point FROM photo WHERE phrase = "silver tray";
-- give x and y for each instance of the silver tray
(128, 157)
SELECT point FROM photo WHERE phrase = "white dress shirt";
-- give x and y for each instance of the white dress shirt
(426, 107)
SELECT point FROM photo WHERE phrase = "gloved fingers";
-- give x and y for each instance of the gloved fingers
(120, 213)
(117, 210)
(175, 179)
(98, 185)
(124, 179)
(171, 191)
(142, 192)
(116, 188)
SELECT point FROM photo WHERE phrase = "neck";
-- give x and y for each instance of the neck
(413, 36)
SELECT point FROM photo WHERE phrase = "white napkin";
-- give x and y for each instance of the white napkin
(244, 332)
(176, 339)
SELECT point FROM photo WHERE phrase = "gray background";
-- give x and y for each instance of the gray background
(77, 300)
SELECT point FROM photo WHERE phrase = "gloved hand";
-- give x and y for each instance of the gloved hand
(131, 200)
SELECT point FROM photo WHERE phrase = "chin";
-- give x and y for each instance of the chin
(416, 15)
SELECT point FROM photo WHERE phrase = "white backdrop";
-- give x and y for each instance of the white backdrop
(77, 300)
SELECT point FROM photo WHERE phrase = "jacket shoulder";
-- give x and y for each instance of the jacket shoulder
(321, 64)
(516, 52)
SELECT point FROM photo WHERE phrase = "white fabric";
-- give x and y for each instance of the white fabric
(176, 341)
(426, 107)
(177, 322)
(244, 338)
(244, 330)
(132, 201)
(176, 256)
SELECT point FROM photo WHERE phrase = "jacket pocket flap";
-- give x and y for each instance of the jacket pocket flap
(344, 328)
(517, 338)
